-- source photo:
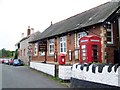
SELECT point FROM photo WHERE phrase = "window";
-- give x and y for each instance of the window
(51, 46)
(35, 49)
(109, 33)
(79, 35)
(42, 53)
(63, 44)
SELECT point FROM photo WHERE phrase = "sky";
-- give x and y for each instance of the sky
(17, 15)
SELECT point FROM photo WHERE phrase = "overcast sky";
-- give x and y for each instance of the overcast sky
(17, 15)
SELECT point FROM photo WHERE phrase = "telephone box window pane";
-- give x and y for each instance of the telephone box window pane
(95, 57)
(83, 46)
(83, 51)
(95, 52)
(84, 54)
(84, 58)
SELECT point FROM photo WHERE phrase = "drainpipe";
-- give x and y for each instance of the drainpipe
(119, 38)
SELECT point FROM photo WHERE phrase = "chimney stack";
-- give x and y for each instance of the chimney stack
(32, 30)
(51, 23)
(28, 31)
(22, 35)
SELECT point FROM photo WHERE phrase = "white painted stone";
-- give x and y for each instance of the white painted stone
(43, 67)
(64, 72)
(109, 78)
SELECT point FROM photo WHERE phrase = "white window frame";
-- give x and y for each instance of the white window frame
(35, 49)
(51, 49)
(63, 44)
(111, 31)
(79, 35)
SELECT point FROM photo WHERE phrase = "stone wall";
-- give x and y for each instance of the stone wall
(95, 74)
(64, 72)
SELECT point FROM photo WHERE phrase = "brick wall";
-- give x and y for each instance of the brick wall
(112, 47)
(70, 39)
(71, 46)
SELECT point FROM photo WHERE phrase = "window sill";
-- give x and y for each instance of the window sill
(77, 48)
(42, 55)
(63, 53)
(50, 55)
(110, 45)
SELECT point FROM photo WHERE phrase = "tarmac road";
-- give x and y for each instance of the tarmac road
(24, 77)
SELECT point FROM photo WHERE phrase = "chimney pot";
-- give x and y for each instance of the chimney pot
(32, 30)
(28, 31)
(22, 35)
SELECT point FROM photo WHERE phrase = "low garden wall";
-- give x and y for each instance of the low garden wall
(95, 76)
(44, 67)
(64, 72)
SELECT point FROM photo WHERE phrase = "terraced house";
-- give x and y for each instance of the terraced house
(24, 47)
(63, 37)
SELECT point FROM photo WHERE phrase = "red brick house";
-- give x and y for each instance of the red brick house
(63, 37)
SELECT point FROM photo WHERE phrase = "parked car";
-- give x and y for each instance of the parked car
(17, 62)
(2, 61)
(6, 61)
(11, 61)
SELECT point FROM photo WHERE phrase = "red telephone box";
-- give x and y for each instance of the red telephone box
(61, 58)
(90, 49)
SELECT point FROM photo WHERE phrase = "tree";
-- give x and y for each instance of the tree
(16, 54)
(4, 53)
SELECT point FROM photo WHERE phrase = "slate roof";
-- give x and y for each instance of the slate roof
(35, 37)
(90, 17)
(24, 38)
